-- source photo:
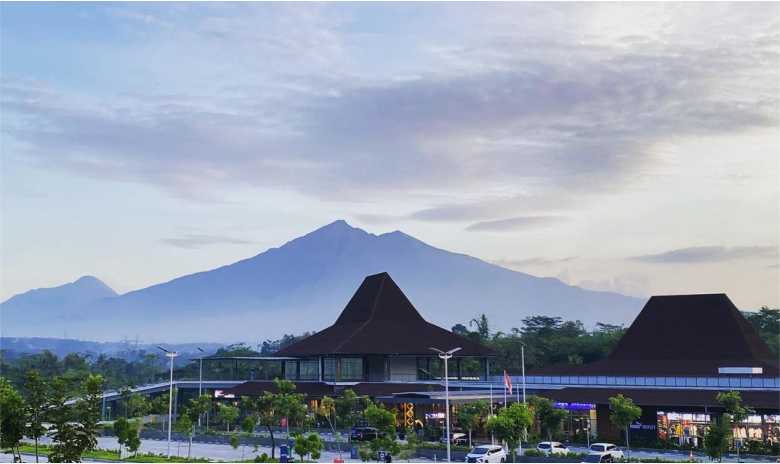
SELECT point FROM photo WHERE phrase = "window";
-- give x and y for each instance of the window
(329, 369)
(309, 369)
(351, 369)
(291, 370)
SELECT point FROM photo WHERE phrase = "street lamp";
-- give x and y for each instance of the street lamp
(200, 380)
(171, 355)
(446, 355)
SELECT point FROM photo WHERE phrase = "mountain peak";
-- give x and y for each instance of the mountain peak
(88, 279)
(339, 227)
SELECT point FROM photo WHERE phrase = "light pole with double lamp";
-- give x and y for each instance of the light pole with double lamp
(446, 355)
(170, 355)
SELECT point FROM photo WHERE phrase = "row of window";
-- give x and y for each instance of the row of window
(748, 382)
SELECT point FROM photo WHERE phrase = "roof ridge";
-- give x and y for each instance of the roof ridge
(370, 318)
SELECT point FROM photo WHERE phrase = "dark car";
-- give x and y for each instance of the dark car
(363, 434)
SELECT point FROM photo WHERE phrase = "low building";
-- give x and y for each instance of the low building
(677, 355)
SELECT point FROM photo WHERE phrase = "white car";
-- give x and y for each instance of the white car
(456, 438)
(552, 447)
(605, 452)
(486, 453)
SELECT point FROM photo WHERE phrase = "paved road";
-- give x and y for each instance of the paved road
(227, 453)
(202, 450)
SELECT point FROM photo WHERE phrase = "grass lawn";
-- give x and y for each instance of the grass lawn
(113, 455)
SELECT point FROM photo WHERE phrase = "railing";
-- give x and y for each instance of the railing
(666, 382)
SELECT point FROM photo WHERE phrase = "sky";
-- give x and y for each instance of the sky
(622, 147)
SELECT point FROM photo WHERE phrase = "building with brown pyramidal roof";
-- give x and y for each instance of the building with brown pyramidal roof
(702, 336)
(381, 337)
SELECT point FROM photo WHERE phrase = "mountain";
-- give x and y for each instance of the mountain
(14, 347)
(51, 307)
(304, 284)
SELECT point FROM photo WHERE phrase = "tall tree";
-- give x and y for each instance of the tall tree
(186, 426)
(510, 424)
(735, 410)
(270, 408)
(548, 416)
(471, 415)
(36, 391)
(74, 428)
(384, 421)
(716, 440)
(12, 418)
(623, 412)
(228, 414)
(767, 323)
(483, 328)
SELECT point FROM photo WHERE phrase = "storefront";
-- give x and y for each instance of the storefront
(683, 428)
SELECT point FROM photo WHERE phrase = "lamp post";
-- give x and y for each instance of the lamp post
(446, 355)
(170, 355)
(200, 381)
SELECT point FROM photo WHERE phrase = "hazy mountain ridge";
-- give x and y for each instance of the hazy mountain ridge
(126, 349)
(85, 289)
(303, 285)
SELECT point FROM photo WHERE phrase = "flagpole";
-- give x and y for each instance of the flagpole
(506, 387)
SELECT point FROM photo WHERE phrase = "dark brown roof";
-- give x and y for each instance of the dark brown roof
(682, 335)
(709, 327)
(662, 397)
(379, 319)
(320, 389)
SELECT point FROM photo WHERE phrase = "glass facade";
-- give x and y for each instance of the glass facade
(241, 369)
(351, 369)
(724, 381)
(685, 428)
(309, 369)
(342, 369)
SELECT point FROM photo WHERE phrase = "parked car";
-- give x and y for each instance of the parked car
(607, 452)
(552, 447)
(598, 458)
(363, 434)
(456, 438)
(486, 453)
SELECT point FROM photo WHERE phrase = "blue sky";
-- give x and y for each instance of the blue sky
(626, 147)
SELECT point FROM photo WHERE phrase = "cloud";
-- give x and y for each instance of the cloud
(375, 219)
(704, 254)
(193, 241)
(317, 112)
(516, 223)
(536, 261)
(632, 285)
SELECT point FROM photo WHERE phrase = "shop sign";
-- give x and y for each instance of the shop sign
(221, 394)
(575, 406)
(640, 426)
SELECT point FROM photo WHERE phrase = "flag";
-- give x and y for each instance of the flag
(508, 382)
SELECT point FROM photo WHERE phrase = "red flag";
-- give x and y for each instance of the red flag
(508, 382)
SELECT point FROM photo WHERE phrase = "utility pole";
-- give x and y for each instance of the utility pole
(446, 355)
(171, 355)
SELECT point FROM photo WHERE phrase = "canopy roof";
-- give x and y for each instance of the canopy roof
(380, 320)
